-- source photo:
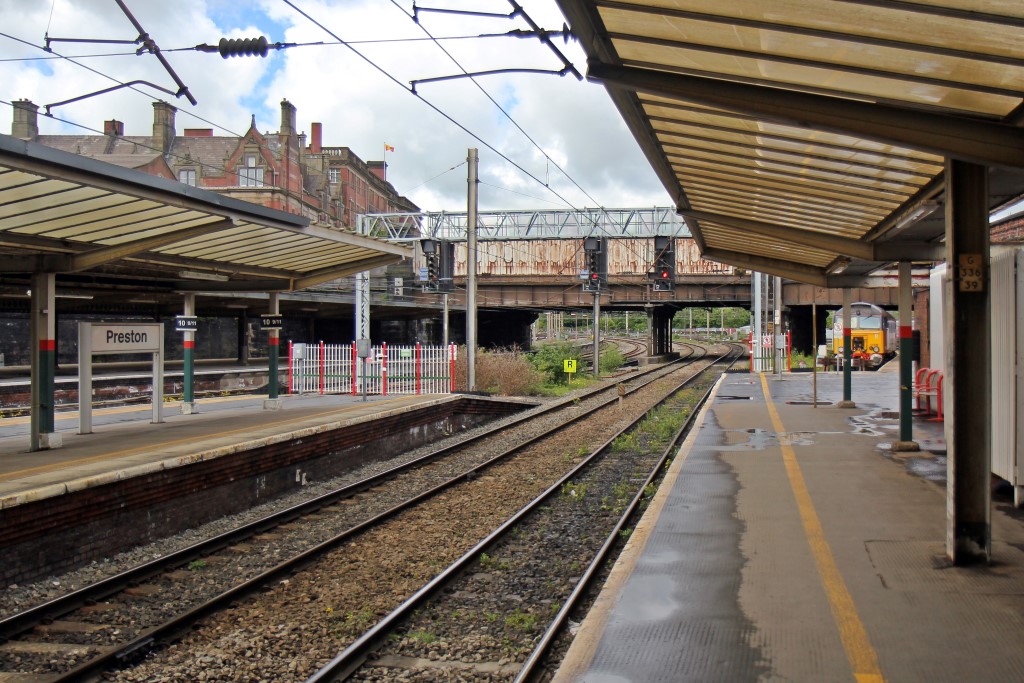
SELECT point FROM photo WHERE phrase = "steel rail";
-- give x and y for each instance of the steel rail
(145, 640)
(540, 650)
(14, 625)
(353, 657)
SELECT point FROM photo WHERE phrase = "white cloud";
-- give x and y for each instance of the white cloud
(573, 122)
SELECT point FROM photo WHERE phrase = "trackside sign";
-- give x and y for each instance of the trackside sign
(125, 338)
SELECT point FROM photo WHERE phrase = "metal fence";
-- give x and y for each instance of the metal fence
(337, 369)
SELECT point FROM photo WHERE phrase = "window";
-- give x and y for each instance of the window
(334, 175)
(187, 176)
(250, 175)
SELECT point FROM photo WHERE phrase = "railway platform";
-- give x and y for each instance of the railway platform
(789, 543)
(126, 442)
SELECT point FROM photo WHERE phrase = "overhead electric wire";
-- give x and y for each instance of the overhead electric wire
(500, 108)
(318, 43)
(422, 99)
(511, 118)
(438, 110)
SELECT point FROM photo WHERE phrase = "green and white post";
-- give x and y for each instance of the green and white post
(188, 401)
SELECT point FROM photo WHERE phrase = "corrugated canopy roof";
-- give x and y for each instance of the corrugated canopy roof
(64, 213)
(800, 136)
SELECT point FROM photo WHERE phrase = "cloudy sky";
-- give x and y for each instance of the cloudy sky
(573, 149)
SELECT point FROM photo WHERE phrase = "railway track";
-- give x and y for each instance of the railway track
(518, 585)
(118, 620)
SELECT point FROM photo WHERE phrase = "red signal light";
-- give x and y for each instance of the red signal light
(664, 275)
(594, 276)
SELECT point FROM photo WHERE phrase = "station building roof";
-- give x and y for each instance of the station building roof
(806, 138)
(123, 229)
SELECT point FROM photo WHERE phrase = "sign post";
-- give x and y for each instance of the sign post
(111, 338)
(187, 324)
(272, 323)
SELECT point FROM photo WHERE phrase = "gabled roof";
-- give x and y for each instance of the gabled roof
(63, 213)
(800, 136)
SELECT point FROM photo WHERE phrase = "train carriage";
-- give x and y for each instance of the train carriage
(873, 334)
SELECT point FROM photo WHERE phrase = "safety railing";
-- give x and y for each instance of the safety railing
(388, 369)
(927, 392)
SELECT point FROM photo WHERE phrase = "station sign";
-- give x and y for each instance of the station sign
(271, 321)
(125, 338)
(186, 323)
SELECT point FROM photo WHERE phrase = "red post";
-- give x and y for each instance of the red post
(384, 369)
(419, 369)
(354, 368)
(789, 352)
(323, 366)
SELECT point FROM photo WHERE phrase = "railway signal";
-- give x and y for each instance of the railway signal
(596, 252)
(664, 273)
(438, 273)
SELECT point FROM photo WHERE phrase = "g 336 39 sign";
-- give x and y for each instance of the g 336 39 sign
(970, 274)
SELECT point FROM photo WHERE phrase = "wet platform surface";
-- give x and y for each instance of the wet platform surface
(788, 543)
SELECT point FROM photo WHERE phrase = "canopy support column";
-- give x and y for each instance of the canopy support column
(906, 349)
(188, 401)
(967, 383)
(44, 362)
(273, 401)
(847, 401)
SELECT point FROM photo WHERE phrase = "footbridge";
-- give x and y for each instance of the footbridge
(536, 260)
(533, 261)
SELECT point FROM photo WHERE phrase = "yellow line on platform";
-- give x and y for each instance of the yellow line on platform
(854, 636)
(164, 444)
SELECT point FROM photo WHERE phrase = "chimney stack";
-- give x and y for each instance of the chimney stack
(163, 126)
(287, 118)
(113, 127)
(25, 124)
(316, 138)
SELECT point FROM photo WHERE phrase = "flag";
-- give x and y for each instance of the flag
(388, 148)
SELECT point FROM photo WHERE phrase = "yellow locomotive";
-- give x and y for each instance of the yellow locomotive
(873, 334)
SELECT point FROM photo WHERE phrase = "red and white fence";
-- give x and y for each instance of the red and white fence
(336, 369)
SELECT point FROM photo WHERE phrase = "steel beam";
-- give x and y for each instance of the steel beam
(328, 274)
(103, 255)
(814, 240)
(961, 138)
(786, 269)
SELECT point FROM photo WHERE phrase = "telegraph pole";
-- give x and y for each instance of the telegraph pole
(472, 182)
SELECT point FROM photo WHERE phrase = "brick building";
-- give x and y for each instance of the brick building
(329, 185)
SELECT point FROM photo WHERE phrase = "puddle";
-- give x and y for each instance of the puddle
(756, 440)
(932, 469)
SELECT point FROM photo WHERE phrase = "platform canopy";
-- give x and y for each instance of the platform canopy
(101, 226)
(806, 138)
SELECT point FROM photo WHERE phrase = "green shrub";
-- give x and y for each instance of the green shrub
(549, 361)
(612, 359)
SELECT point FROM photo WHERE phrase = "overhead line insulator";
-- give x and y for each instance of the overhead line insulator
(243, 47)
